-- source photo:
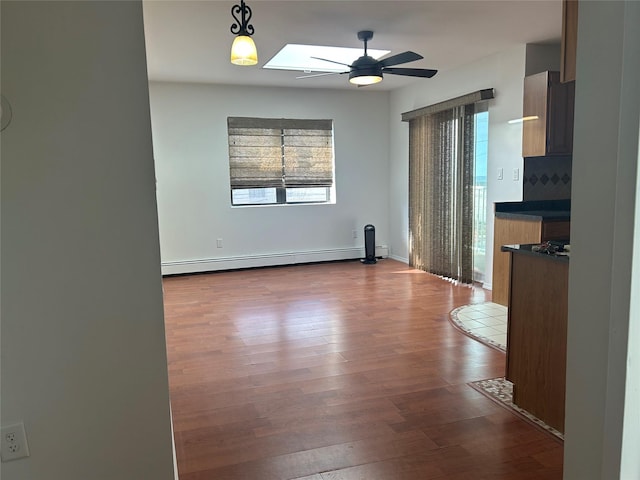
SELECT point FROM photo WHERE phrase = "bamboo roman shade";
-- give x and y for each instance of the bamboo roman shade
(277, 152)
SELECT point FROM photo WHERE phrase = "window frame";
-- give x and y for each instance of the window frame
(281, 197)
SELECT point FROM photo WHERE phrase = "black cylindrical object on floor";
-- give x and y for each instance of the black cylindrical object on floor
(369, 244)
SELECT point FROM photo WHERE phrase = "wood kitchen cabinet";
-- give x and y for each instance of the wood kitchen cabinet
(569, 42)
(551, 101)
(537, 334)
(509, 231)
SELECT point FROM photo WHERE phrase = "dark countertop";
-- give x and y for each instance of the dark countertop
(540, 210)
(537, 215)
(527, 250)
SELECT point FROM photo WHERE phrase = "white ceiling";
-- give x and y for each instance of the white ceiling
(189, 41)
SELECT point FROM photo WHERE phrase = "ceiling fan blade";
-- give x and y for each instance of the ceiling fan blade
(411, 72)
(321, 74)
(332, 61)
(404, 57)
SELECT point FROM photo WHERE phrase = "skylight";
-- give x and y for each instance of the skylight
(298, 57)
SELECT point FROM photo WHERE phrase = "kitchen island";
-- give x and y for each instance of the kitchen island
(537, 332)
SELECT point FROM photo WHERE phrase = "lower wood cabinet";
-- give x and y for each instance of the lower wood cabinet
(510, 231)
(537, 336)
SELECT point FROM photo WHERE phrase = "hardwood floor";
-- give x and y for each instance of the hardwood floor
(337, 371)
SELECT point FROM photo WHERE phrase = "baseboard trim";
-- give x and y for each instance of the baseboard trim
(267, 260)
(399, 259)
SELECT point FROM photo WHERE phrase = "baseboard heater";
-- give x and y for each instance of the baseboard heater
(267, 260)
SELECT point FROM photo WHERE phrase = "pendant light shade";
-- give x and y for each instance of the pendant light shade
(243, 50)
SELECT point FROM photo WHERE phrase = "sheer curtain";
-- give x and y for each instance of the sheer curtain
(441, 181)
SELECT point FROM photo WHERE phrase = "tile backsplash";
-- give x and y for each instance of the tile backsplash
(546, 178)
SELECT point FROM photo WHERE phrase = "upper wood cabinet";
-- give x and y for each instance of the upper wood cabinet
(552, 102)
(569, 40)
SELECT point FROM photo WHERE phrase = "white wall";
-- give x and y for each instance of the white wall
(602, 424)
(191, 152)
(505, 73)
(83, 350)
(630, 466)
(541, 58)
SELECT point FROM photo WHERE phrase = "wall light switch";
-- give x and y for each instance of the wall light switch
(500, 174)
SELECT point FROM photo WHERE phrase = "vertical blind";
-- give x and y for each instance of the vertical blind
(276, 152)
(441, 182)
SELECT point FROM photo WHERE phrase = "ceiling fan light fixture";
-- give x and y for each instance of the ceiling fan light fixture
(365, 79)
(243, 50)
(365, 71)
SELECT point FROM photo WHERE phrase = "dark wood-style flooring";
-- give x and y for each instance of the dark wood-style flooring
(337, 371)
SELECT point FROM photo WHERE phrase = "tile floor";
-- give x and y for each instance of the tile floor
(484, 320)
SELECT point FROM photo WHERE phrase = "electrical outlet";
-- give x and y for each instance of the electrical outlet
(219, 243)
(354, 233)
(516, 174)
(13, 442)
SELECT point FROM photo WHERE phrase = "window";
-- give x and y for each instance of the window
(280, 161)
(481, 151)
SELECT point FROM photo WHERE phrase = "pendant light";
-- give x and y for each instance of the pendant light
(243, 50)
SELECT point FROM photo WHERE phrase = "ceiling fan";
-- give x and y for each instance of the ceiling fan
(367, 70)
